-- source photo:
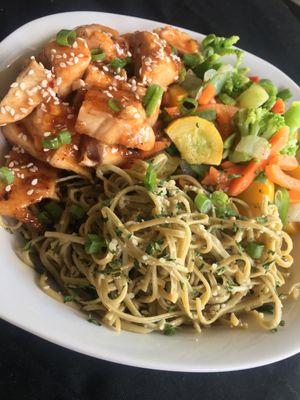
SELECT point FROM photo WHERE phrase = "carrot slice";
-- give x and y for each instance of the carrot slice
(277, 142)
(212, 178)
(286, 163)
(278, 107)
(227, 164)
(276, 175)
(294, 196)
(208, 93)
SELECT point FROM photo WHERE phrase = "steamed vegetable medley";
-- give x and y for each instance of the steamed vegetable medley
(94, 97)
(235, 131)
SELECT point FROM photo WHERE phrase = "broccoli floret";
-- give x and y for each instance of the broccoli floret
(271, 123)
(291, 148)
(258, 121)
(213, 44)
(236, 84)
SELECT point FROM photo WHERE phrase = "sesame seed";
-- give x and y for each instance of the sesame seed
(7, 108)
(34, 181)
(75, 147)
(30, 101)
(47, 134)
(53, 50)
(64, 55)
(11, 164)
(3, 111)
(8, 188)
(12, 112)
(45, 150)
(17, 93)
(41, 64)
(76, 59)
(58, 81)
(14, 85)
(75, 45)
(80, 55)
(44, 83)
(23, 110)
(32, 58)
(30, 192)
(16, 116)
(59, 56)
(70, 63)
(31, 72)
(62, 65)
(22, 86)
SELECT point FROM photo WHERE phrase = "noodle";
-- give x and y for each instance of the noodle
(164, 264)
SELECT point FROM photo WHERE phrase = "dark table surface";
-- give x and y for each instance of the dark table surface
(33, 369)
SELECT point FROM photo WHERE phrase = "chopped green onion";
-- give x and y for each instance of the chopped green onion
(77, 211)
(262, 220)
(255, 250)
(114, 104)
(65, 137)
(200, 170)
(94, 244)
(284, 94)
(65, 37)
(97, 55)
(282, 201)
(6, 175)
(188, 105)
(172, 150)
(261, 177)
(44, 218)
(51, 144)
(219, 199)
(208, 114)
(182, 75)
(169, 330)
(120, 62)
(226, 99)
(150, 178)
(68, 298)
(152, 98)
(203, 203)
(54, 210)
(266, 308)
(191, 60)
(229, 141)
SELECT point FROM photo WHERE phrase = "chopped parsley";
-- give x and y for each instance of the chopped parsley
(68, 298)
(169, 330)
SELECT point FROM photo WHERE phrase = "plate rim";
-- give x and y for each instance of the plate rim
(123, 359)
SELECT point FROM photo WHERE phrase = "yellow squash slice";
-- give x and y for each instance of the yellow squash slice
(197, 140)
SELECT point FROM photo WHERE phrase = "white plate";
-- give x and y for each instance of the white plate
(23, 304)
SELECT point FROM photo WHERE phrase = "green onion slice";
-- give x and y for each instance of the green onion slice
(94, 244)
(97, 55)
(152, 98)
(51, 144)
(284, 94)
(188, 105)
(65, 137)
(77, 211)
(6, 175)
(282, 201)
(255, 250)
(114, 104)
(66, 37)
(203, 203)
(150, 178)
(120, 62)
(54, 210)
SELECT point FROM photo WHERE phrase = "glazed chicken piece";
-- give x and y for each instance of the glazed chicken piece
(115, 117)
(27, 92)
(95, 153)
(68, 63)
(45, 122)
(104, 38)
(97, 78)
(153, 59)
(180, 40)
(33, 182)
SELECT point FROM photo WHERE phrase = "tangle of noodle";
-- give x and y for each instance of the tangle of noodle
(165, 264)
